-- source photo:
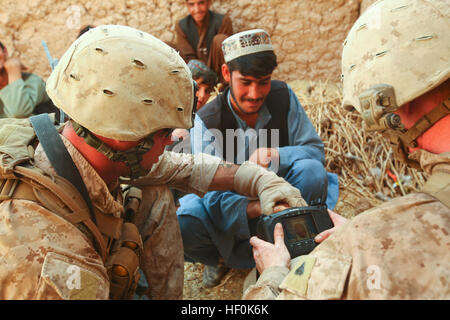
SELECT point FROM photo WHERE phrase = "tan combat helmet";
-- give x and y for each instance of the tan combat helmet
(396, 51)
(123, 84)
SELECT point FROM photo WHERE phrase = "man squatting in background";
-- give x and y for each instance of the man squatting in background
(199, 35)
(267, 125)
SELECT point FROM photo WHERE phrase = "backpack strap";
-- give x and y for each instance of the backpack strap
(58, 155)
(64, 166)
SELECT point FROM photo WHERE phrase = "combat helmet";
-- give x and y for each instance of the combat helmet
(124, 84)
(396, 51)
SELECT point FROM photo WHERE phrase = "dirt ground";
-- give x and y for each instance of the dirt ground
(229, 289)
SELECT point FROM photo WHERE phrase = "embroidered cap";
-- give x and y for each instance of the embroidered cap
(246, 42)
(199, 69)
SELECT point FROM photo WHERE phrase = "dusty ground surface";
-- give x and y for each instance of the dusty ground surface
(229, 289)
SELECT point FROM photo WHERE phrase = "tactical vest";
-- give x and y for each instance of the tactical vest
(217, 115)
(117, 241)
(187, 24)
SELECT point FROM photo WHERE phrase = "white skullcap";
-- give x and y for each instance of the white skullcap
(246, 42)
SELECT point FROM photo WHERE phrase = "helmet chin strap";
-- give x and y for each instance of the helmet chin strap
(378, 105)
(131, 157)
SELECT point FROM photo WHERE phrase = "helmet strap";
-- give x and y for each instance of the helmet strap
(408, 138)
(378, 105)
(131, 157)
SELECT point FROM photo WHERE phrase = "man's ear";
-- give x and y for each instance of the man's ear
(226, 73)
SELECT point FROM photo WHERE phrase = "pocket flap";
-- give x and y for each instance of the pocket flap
(318, 276)
(74, 279)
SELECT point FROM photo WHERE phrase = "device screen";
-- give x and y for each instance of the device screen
(299, 228)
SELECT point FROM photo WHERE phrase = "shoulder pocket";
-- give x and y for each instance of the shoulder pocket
(71, 279)
(318, 276)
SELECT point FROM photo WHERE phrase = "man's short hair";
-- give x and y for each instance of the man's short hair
(2, 46)
(200, 70)
(257, 64)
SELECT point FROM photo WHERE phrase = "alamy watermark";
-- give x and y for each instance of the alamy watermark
(374, 280)
(239, 144)
(74, 19)
(74, 279)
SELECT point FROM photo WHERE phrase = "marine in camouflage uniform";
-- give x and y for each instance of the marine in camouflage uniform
(396, 73)
(33, 240)
(119, 124)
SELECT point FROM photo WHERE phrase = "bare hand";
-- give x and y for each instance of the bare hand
(14, 69)
(263, 156)
(267, 254)
(180, 134)
(338, 221)
(280, 207)
(254, 208)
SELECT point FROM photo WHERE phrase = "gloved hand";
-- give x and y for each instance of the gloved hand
(255, 181)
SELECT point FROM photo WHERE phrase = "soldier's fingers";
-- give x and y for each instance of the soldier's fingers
(267, 207)
(323, 235)
(296, 202)
(280, 206)
(336, 218)
(255, 254)
(256, 242)
(278, 234)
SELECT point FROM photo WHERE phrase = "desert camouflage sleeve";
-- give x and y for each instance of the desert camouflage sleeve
(267, 286)
(186, 172)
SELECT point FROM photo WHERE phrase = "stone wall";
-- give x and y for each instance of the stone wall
(307, 34)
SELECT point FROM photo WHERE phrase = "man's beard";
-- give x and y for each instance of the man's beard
(237, 103)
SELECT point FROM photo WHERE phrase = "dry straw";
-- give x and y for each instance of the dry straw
(368, 173)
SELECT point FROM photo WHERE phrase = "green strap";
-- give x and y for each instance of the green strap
(425, 123)
(132, 158)
(438, 186)
(59, 156)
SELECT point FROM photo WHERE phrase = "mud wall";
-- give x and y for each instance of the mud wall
(307, 34)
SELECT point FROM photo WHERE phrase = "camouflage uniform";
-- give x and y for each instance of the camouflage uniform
(42, 254)
(106, 83)
(101, 82)
(399, 250)
(393, 57)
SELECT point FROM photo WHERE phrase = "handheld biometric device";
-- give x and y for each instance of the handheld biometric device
(300, 226)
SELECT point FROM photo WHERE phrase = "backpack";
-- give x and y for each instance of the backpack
(20, 179)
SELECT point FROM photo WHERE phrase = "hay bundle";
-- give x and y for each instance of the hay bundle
(368, 173)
